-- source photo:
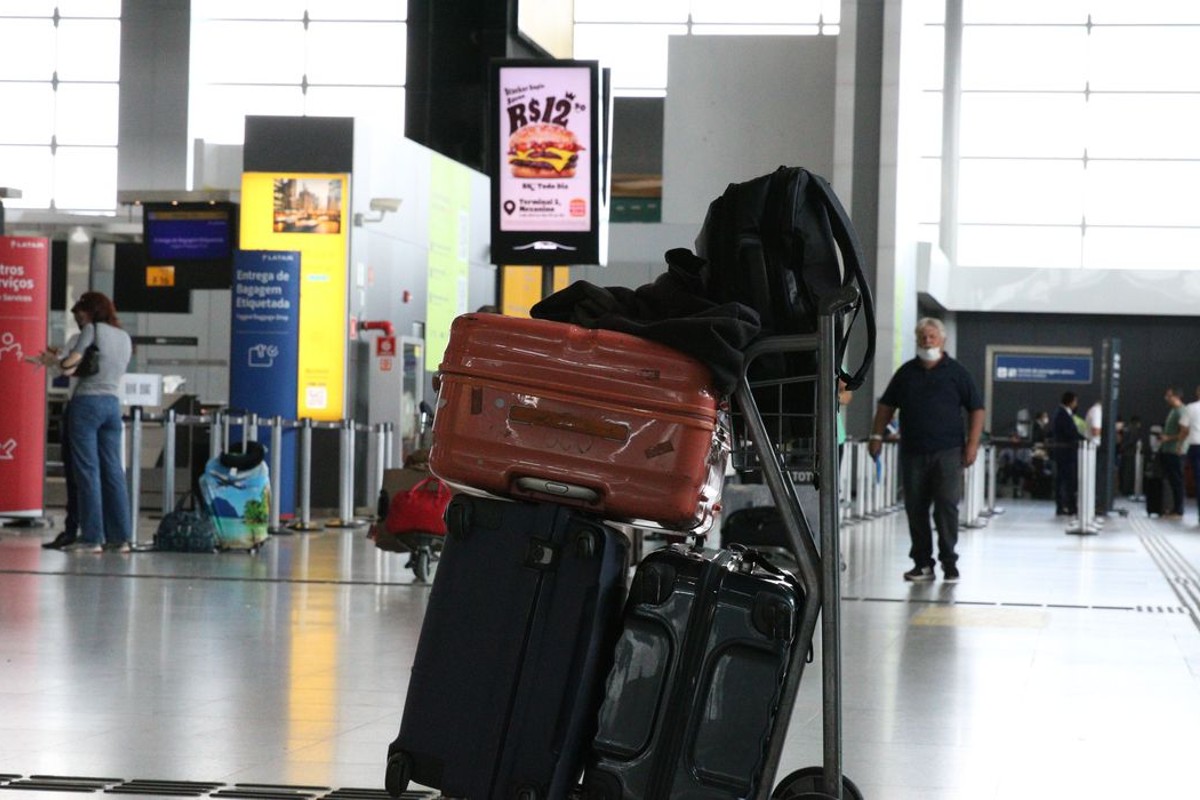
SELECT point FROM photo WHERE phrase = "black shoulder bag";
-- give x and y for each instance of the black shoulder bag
(89, 362)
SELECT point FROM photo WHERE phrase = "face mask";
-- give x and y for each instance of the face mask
(929, 353)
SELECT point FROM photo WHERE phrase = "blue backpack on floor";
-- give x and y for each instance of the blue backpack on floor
(236, 489)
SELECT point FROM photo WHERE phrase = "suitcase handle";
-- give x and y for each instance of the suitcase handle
(746, 556)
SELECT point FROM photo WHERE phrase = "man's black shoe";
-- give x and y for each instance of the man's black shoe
(60, 541)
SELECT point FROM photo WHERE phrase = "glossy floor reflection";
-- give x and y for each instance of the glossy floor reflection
(1059, 667)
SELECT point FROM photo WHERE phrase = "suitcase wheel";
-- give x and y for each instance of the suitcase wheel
(601, 786)
(398, 774)
(807, 783)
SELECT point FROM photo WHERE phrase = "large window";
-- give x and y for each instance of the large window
(1079, 135)
(630, 36)
(342, 58)
(59, 76)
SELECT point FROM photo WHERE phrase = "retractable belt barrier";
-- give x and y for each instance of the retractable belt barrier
(870, 487)
(972, 510)
(1086, 523)
(220, 423)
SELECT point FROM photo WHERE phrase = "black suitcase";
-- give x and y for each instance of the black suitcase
(1152, 484)
(518, 634)
(760, 528)
(697, 678)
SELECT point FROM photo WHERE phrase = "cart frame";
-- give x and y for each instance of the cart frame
(819, 574)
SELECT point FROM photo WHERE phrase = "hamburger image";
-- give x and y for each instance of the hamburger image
(543, 150)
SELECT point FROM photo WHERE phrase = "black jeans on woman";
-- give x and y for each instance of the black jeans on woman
(70, 529)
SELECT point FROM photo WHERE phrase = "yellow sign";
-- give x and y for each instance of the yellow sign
(160, 276)
(522, 288)
(306, 212)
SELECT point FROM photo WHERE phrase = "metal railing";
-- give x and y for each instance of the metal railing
(870, 487)
(221, 424)
(1086, 522)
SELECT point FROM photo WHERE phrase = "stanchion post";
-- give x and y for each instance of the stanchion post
(345, 518)
(249, 429)
(1085, 495)
(389, 444)
(381, 437)
(215, 437)
(990, 476)
(305, 523)
(1139, 460)
(168, 483)
(861, 458)
(135, 473)
(276, 472)
(893, 470)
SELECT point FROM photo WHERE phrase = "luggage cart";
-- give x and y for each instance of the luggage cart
(766, 442)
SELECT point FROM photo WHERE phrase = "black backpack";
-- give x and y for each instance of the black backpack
(187, 529)
(780, 244)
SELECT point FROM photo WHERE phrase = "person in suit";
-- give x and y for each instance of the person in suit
(1064, 430)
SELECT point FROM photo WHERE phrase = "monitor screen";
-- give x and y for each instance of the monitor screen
(188, 232)
(198, 239)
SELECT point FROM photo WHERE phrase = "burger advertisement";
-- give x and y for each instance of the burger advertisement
(544, 184)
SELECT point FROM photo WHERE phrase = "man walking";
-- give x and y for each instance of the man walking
(931, 391)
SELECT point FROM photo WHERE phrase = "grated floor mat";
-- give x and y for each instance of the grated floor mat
(209, 789)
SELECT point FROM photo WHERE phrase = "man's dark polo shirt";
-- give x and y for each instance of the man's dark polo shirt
(930, 402)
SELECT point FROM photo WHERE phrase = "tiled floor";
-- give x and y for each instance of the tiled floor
(1060, 667)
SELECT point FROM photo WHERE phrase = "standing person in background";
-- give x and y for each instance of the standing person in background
(1065, 453)
(1094, 419)
(931, 391)
(1173, 444)
(1191, 418)
(1041, 429)
(50, 357)
(94, 426)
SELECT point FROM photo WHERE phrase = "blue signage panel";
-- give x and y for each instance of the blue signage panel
(263, 350)
(1028, 368)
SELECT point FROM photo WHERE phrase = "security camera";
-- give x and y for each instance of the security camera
(386, 204)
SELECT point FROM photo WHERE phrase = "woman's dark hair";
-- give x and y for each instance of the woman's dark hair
(97, 306)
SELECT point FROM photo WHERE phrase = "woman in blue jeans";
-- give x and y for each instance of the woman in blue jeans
(94, 427)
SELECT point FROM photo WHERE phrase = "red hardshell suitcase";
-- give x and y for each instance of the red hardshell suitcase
(621, 426)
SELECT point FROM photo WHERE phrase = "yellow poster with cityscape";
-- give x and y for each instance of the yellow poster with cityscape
(307, 213)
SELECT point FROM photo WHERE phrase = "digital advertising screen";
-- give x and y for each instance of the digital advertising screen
(547, 141)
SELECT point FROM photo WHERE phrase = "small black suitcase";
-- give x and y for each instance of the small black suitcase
(518, 634)
(697, 678)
